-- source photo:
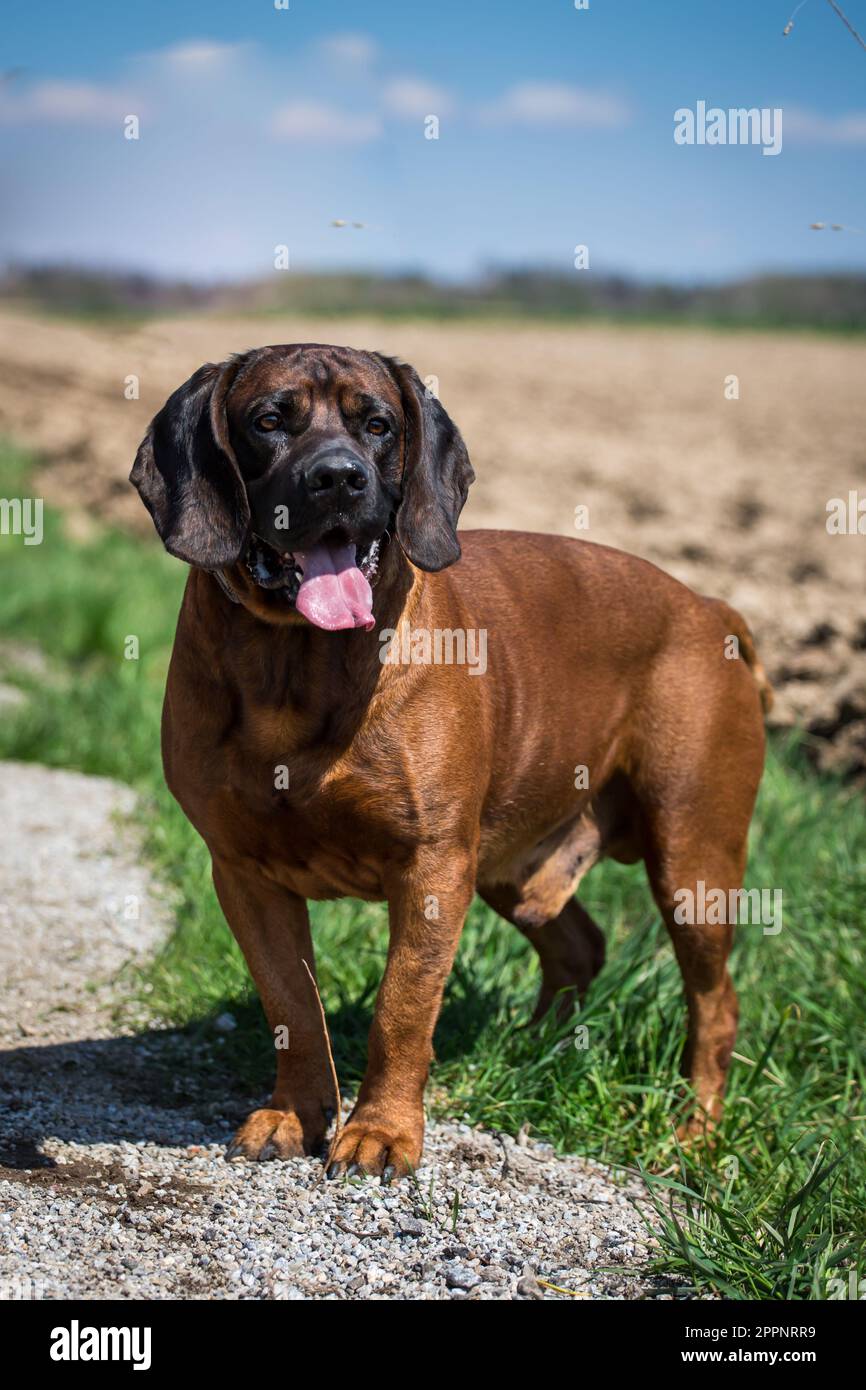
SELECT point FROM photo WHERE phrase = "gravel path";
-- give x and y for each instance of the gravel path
(112, 1177)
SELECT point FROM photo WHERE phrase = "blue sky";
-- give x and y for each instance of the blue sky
(260, 127)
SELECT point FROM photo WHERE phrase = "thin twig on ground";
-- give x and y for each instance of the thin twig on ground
(338, 1129)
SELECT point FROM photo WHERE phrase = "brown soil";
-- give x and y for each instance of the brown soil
(729, 495)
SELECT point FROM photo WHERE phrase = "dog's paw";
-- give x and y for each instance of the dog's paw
(267, 1134)
(376, 1149)
(698, 1130)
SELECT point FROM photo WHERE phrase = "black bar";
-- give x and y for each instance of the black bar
(255, 1335)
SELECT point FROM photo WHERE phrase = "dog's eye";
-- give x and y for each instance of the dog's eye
(377, 425)
(268, 422)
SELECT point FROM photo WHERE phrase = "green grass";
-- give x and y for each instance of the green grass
(773, 1211)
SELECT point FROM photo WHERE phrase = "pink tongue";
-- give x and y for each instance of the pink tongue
(334, 593)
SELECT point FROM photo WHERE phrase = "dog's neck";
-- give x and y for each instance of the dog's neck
(345, 669)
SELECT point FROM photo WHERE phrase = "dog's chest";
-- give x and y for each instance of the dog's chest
(321, 825)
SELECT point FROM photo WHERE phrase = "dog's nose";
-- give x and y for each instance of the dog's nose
(337, 473)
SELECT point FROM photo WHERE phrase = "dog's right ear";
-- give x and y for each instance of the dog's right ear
(187, 475)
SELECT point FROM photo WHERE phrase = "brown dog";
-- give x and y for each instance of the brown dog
(331, 730)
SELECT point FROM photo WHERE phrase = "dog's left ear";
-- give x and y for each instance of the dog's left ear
(436, 476)
(187, 475)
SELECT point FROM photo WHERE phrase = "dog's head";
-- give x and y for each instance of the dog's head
(287, 466)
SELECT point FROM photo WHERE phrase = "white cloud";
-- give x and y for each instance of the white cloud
(824, 130)
(411, 96)
(200, 55)
(66, 103)
(546, 104)
(356, 50)
(315, 121)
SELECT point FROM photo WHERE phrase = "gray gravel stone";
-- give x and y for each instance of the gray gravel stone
(112, 1177)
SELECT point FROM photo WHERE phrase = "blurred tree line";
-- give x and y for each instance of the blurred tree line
(836, 302)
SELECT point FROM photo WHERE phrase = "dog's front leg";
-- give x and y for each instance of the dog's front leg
(427, 905)
(272, 928)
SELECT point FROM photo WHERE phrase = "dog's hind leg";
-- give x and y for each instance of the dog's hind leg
(570, 947)
(678, 871)
(697, 782)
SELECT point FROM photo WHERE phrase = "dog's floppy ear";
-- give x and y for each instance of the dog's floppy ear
(187, 475)
(436, 476)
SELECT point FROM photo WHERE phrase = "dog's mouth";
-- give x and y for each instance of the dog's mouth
(328, 583)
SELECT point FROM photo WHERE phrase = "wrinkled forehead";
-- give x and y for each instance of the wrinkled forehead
(310, 372)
